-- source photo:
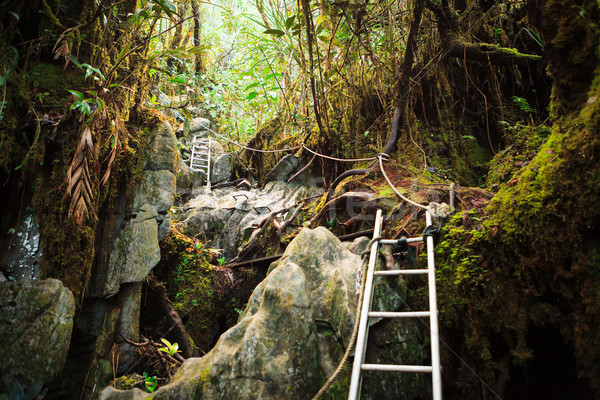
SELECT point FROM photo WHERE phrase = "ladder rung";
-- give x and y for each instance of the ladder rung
(396, 368)
(403, 272)
(394, 241)
(405, 314)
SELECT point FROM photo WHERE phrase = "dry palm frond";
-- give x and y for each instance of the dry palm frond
(78, 179)
(115, 147)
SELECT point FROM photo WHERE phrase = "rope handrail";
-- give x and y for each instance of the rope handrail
(338, 159)
(289, 149)
(380, 157)
(246, 147)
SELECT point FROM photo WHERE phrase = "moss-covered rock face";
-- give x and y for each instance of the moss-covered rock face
(36, 321)
(520, 278)
(523, 144)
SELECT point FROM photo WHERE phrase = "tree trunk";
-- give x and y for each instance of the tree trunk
(197, 28)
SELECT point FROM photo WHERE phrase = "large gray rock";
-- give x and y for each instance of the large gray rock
(198, 125)
(156, 188)
(275, 351)
(128, 325)
(216, 149)
(283, 170)
(170, 104)
(162, 152)
(36, 321)
(221, 169)
(196, 112)
(135, 251)
(188, 180)
(293, 332)
(228, 216)
(140, 218)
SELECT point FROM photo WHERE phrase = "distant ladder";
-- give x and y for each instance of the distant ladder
(363, 330)
(200, 158)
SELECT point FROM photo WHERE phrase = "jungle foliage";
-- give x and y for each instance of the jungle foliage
(500, 94)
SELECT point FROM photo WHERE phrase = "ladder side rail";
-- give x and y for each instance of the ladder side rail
(192, 155)
(436, 376)
(361, 340)
(208, 166)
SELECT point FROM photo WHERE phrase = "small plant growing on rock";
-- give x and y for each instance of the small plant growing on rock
(150, 383)
(171, 349)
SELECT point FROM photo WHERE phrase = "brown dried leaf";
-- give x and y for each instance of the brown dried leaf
(78, 180)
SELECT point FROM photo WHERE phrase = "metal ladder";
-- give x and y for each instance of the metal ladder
(200, 157)
(363, 331)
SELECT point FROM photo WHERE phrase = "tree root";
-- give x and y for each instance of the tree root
(183, 338)
(357, 196)
(150, 349)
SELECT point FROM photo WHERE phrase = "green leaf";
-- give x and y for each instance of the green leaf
(77, 94)
(178, 79)
(85, 108)
(14, 14)
(123, 51)
(251, 86)
(522, 103)
(275, 32)
(12, 66)
(196, 49)
(251, 95)
(290, 22)
(89, 70)
(273, 75)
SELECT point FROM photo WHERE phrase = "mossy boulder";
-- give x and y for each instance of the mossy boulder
(162, 152)
(36, 322)
(136, 251)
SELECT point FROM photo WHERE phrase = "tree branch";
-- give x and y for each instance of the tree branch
(403, 86)
(485, 52)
